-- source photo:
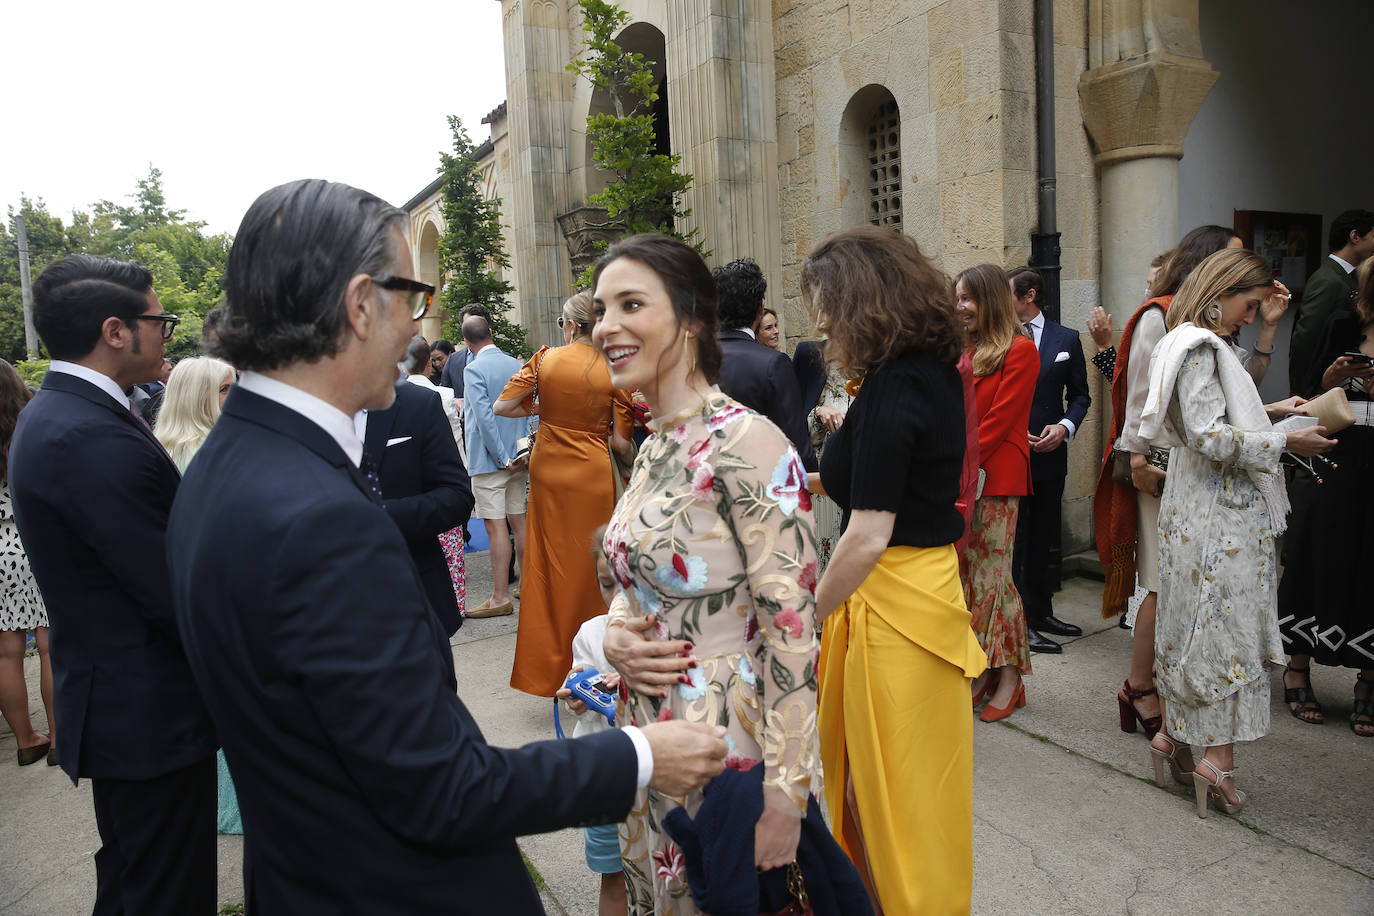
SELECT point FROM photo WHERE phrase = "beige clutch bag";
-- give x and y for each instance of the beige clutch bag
(1332, 411)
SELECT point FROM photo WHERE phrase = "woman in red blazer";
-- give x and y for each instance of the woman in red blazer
(1005, 368)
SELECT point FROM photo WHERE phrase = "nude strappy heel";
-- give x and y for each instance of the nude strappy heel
(1212, 787)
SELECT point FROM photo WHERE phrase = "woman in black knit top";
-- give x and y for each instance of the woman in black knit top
(898, 651)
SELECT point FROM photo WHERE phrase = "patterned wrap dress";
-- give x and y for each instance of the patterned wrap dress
(1217, 627)
(714, 536)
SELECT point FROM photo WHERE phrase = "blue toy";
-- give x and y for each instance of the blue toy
(586, 685)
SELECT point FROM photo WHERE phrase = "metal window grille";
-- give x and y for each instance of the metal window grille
(885, 166)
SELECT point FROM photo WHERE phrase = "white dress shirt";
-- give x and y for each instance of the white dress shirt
(1037, 329)
(1345, 265)
(98, 379)
(326, 416)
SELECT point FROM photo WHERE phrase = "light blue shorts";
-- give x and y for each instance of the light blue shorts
(603, 848)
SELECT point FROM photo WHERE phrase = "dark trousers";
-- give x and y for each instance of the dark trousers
(1037, 547)
(157, 853)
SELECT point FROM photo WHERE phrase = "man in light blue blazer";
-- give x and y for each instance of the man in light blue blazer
(500, 480)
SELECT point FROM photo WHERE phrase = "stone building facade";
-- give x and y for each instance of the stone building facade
(800, 117)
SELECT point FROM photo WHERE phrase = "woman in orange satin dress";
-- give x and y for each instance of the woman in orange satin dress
(581, 417)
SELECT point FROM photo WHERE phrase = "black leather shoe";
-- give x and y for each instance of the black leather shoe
(1053, 624)
(1039, 643)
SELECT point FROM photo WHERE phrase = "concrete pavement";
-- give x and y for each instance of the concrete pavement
(1067, 817)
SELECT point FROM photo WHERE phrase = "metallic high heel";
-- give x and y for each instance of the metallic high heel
(1212, 787)
(1159, 758)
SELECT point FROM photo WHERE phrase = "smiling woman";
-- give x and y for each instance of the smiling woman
(714, 551)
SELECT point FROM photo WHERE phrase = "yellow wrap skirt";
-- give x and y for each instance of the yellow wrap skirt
(895, 720)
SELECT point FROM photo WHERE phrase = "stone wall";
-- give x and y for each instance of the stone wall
(963, 75)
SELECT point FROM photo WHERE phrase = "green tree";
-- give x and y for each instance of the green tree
(187, 265)
(471, 251)
(646, 193)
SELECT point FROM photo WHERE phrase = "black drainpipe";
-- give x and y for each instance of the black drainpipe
(1045, 242)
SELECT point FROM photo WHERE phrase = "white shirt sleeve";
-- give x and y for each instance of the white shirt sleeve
(643, 752)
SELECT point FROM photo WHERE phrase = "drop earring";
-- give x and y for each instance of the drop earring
(690, 353)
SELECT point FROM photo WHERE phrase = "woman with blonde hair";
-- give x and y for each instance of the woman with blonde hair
(898, 650)
(582, 417)
(1224, 502)
(195, 392)
(1005, 368)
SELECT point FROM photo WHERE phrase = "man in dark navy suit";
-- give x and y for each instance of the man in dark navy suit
(364, 782)
(425, 487)
(92, 491)
(759, 377)
(1061, 402)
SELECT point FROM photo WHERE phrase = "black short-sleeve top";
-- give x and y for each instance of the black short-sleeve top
(901, 450)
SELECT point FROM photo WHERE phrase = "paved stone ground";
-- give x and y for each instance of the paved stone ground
(1067, 818)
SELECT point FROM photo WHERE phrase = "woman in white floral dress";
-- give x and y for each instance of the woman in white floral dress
(1217, 628)
(715, 554)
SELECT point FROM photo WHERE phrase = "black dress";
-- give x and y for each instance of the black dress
(1324, 605)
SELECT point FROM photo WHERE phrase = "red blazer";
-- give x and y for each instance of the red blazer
(1004, 406)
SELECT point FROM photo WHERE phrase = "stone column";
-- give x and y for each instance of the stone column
(724, 123)
(1145, 83)
(538, 91)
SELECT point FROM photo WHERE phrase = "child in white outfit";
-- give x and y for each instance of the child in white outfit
(602, 842)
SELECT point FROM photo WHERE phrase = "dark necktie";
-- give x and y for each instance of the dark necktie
(139, 417)
(374, 481)
(1030, 331)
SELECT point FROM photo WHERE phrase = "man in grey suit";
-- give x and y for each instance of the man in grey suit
(500, 479)
(1329, 291)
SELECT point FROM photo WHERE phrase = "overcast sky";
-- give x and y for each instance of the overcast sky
(230, 99)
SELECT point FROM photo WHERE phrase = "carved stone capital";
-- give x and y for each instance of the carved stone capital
(1143, 106)
(584, 228)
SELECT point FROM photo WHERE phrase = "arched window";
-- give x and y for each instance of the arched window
(885, 165)
(870, 159)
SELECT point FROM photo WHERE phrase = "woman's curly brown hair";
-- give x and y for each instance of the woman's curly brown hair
(875, 296)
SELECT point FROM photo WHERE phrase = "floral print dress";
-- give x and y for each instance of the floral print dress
(1217, 627)
(714, 536)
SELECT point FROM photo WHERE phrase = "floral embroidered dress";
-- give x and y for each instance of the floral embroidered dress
(714, 536)
(1217, 627)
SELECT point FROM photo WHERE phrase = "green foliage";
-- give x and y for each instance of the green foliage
(646, 193)
(32, 371)
(471, 251)
(187, 265)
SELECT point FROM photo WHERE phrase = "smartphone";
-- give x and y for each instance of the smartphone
(1356, 356)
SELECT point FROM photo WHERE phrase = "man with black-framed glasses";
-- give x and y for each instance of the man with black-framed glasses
(88, 480)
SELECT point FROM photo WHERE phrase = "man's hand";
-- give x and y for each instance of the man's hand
(649, 666)
(1050, 438)
(1146, 477)
(687, 755)
(517, 465)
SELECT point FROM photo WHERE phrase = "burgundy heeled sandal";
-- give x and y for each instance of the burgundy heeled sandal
(1125, 702)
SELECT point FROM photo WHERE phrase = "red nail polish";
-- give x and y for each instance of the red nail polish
(683, 679)
(688, 648)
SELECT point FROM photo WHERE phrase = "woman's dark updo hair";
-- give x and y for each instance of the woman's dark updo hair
(690, 288)
(1192, 250)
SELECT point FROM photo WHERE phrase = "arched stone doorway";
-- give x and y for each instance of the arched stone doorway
(427, 266)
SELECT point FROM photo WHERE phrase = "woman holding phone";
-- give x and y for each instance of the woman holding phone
(1324, 609)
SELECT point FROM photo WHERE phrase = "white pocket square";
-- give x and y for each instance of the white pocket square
(1063, 355)
(391, 442)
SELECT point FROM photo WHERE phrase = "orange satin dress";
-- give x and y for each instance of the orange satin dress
(571, 495)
